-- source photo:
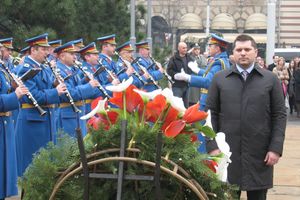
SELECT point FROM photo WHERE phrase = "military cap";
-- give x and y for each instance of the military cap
(142, 44)
(126, 47)
(78, 42)
(89, 49)
(7, 42)
(110, 39)
(196, 46)
(40, 40)
(215, 39)
(55, 43)
(67, 47)
(24, 50)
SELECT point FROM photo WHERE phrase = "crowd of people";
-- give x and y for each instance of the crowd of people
(50, 85)
(289, 76)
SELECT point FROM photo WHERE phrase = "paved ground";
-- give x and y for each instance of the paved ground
(287, 171)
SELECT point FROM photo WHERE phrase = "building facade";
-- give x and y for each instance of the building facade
(186, 20)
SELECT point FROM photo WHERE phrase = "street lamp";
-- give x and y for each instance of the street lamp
(132, 24)
(271, 30)
(149, 28)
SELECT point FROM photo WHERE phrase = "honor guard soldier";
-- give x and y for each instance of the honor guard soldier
(6, 51)
(124, 67)
(8, 162)
(108, 47)
(22, 54)
(36, 124)
(72, 106)
(144, 60)
(25, 51)
(218, 61)
(78, 44)
(90, 57)
(53, 44)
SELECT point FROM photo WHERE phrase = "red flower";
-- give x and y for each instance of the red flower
(95, 102)
(191, 115)
(133, 100)
(211, 164)
(171, 116)
(155, 107)
(194, 138)
(94, 122)
(98, 119)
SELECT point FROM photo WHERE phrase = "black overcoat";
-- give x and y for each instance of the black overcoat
(252, 114)
(297, 86)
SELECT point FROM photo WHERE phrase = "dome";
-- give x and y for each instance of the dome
(190, 21)
(256, 21)
(223, 21)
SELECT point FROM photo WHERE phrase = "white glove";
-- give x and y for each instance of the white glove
(194, 67)
(182, 76)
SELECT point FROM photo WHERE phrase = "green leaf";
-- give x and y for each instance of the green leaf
(209, 132)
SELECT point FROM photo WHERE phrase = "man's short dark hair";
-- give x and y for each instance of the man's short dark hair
(244, 38)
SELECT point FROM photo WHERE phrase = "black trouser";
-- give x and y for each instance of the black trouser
(292, 103)
(255, 194)
(182, 92)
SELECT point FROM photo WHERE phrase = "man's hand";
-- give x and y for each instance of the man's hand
(115, 81)
(182, 76)
(129, 70)
(94, 83)
(61, 89)
(21, 91)
(194, 67)
(271, 158)
(214, 152)
(146, 75)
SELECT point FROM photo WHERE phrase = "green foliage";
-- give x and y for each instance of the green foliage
(67, 20)
(41, 176)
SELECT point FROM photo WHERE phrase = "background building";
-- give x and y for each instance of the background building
(185, 20)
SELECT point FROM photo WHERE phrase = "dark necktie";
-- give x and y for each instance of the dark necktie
(245, 75)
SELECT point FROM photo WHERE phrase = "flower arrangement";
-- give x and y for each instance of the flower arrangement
(159, 110)
(147, 114)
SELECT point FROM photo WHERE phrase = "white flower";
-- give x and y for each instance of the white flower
(146, 96)
(176, 102)
(224, 162)
(100, 108)
(222, 144)
(120, 87)
(168, 94)
(208, 119)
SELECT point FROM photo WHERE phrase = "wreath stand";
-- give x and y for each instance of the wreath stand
(91, 160)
